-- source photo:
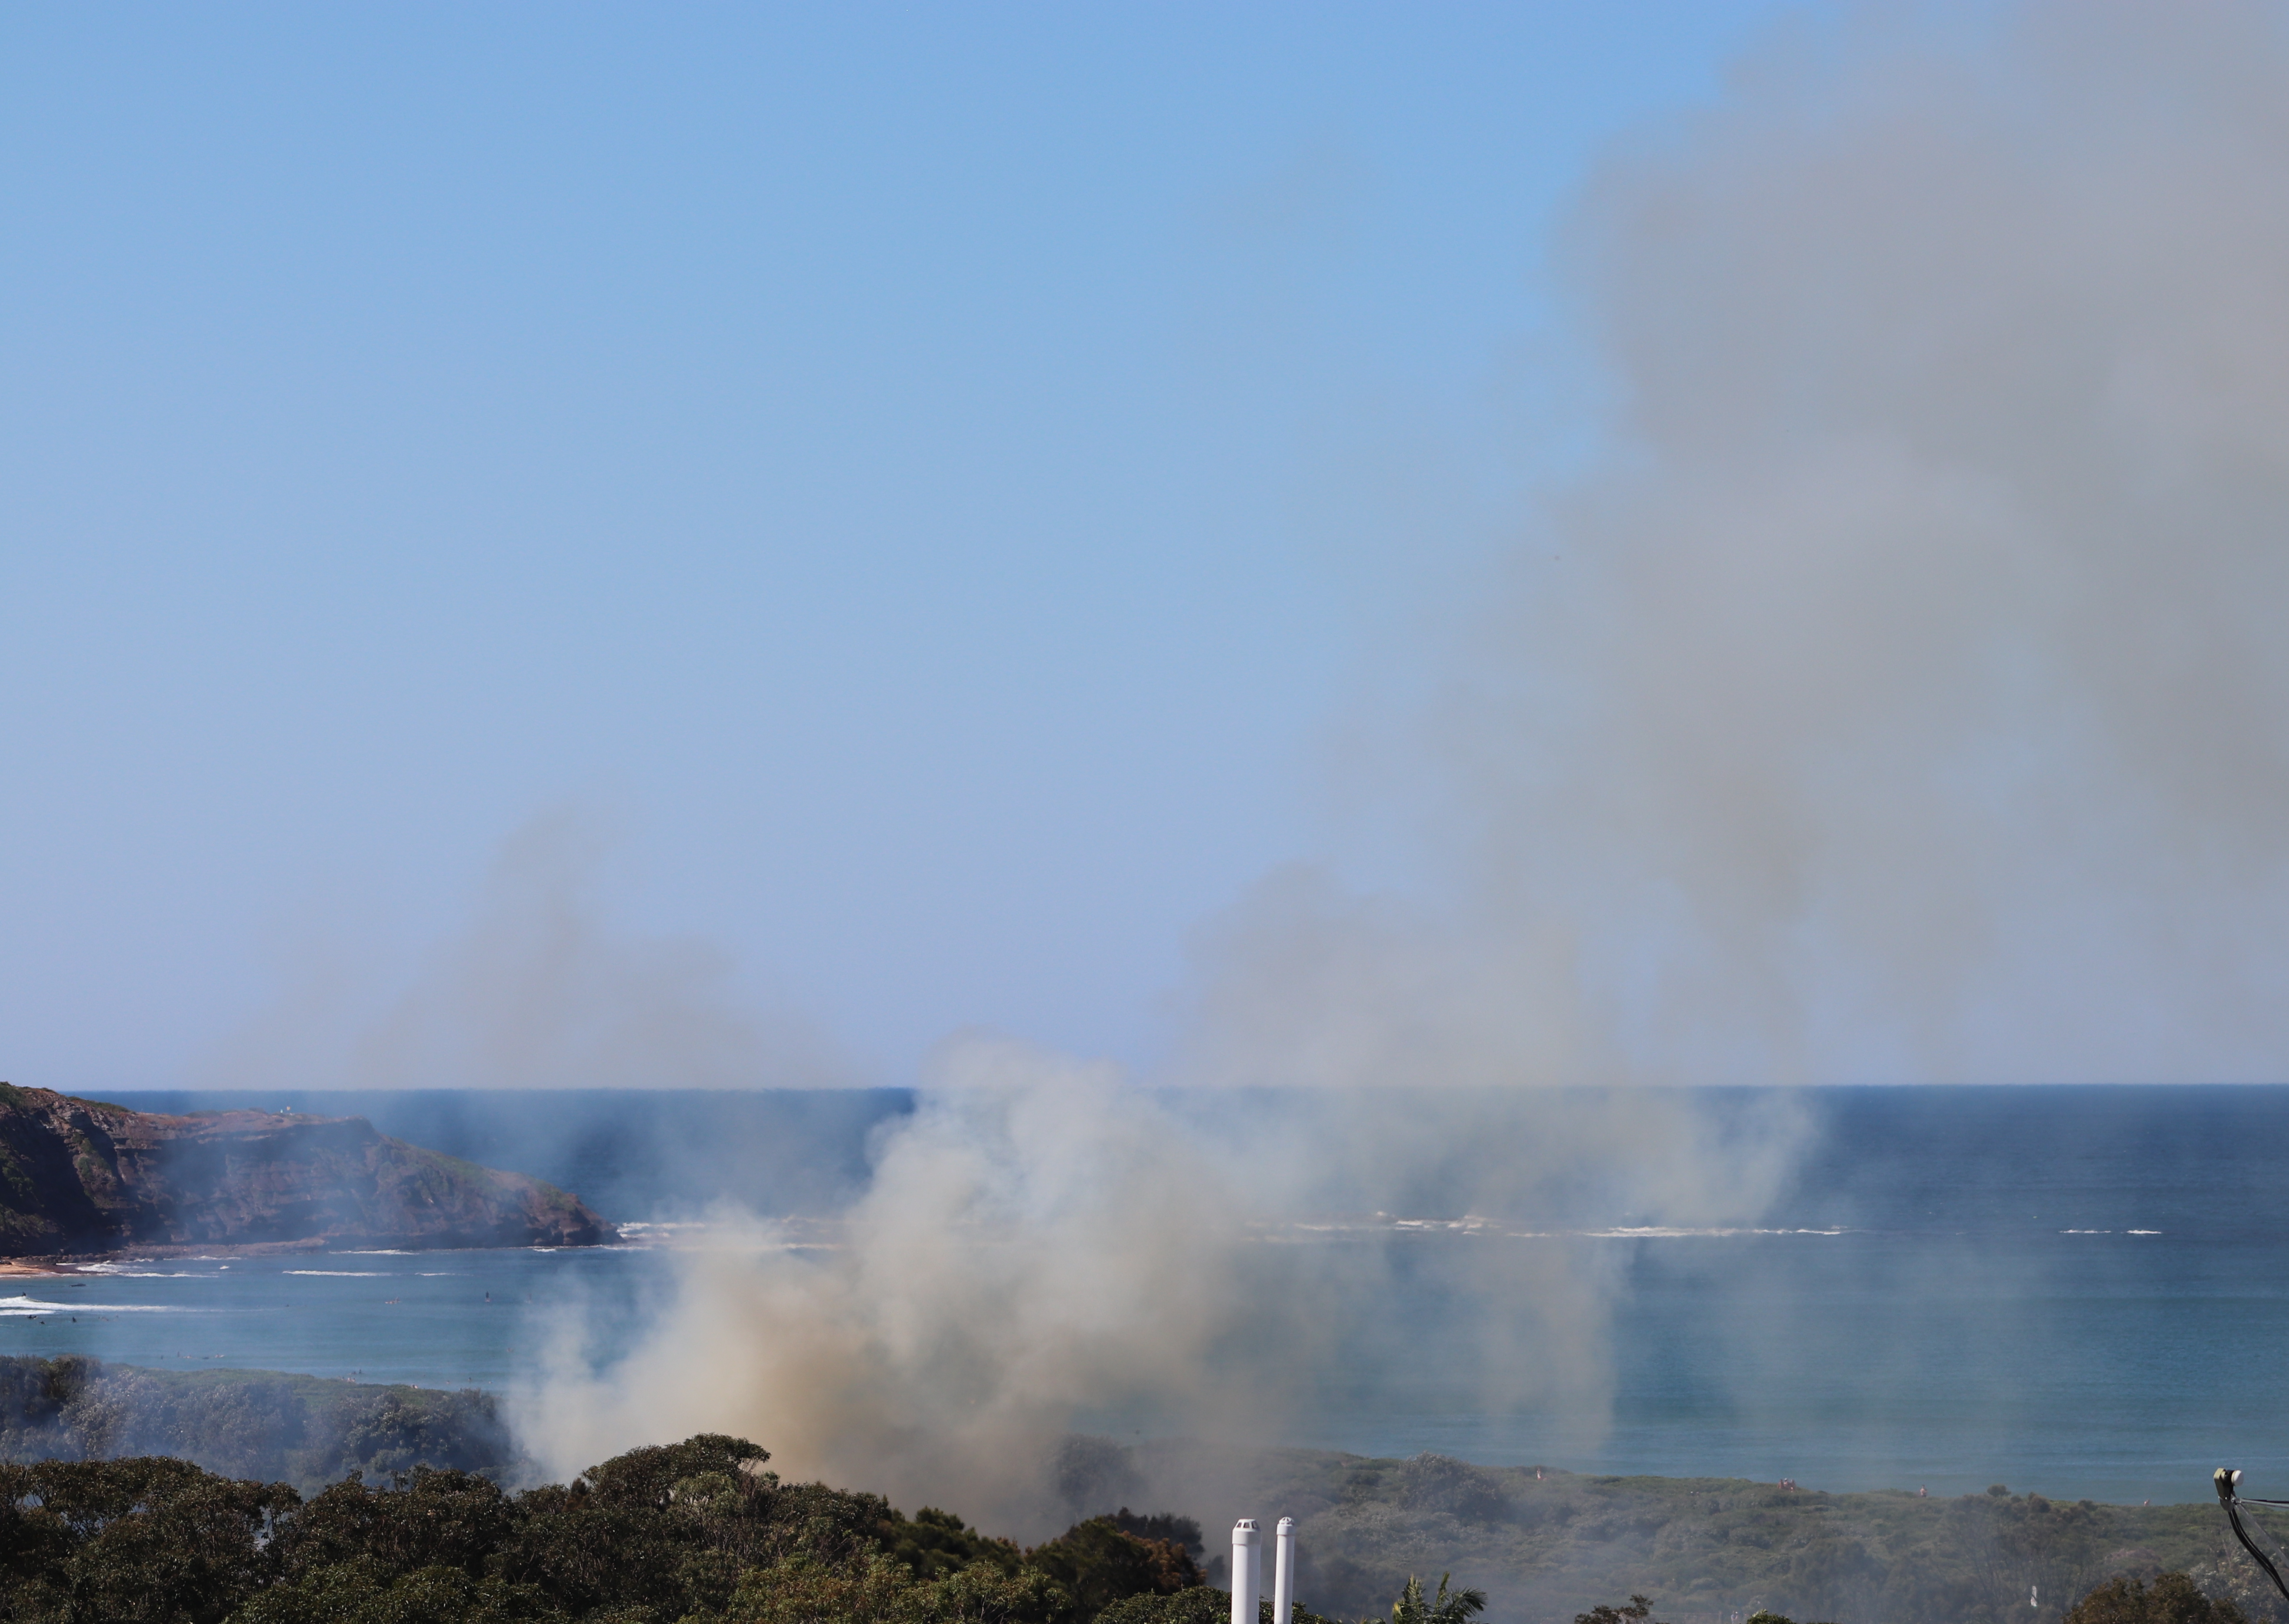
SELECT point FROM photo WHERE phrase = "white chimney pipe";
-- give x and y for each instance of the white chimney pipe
(1246, 1570)
(1283, 1572)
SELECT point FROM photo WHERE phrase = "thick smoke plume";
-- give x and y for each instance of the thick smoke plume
(1045, 1245)
(1902, 696)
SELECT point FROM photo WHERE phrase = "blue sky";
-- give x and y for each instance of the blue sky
(923, 485)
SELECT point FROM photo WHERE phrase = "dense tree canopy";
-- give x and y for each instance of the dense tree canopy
(698, 1531)
(695, 1533)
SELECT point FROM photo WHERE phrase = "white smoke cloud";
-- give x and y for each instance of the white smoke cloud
(1037, 1237)
(1044, 1244)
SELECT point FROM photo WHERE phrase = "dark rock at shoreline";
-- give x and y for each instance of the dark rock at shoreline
(79, 1176)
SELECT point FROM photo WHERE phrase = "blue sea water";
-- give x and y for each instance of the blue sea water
(2082, 1290)
(446, 1320)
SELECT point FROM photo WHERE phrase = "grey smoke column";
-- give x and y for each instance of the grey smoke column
(1246, 1570)
(1283, 1570)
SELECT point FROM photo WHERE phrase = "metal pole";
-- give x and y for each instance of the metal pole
(2229, 1494)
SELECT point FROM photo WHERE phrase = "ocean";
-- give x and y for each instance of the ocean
(2080, 1290)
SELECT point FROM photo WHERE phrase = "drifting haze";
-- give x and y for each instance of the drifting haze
(1897, 696)
(535, 991)
(1903, 696)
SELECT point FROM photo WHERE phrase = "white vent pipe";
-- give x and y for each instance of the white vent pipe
(1246, 1570)
(1283, 1572)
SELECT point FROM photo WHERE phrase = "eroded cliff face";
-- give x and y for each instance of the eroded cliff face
(78, 1176)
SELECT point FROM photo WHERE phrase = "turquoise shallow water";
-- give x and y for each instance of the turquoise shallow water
(431, 1319)
(2080, 1290)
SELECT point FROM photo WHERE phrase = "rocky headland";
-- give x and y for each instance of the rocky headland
(80, 1177)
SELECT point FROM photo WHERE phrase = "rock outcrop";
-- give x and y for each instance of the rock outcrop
(80, 1176)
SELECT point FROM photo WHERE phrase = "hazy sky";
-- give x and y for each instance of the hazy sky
(904, 501)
